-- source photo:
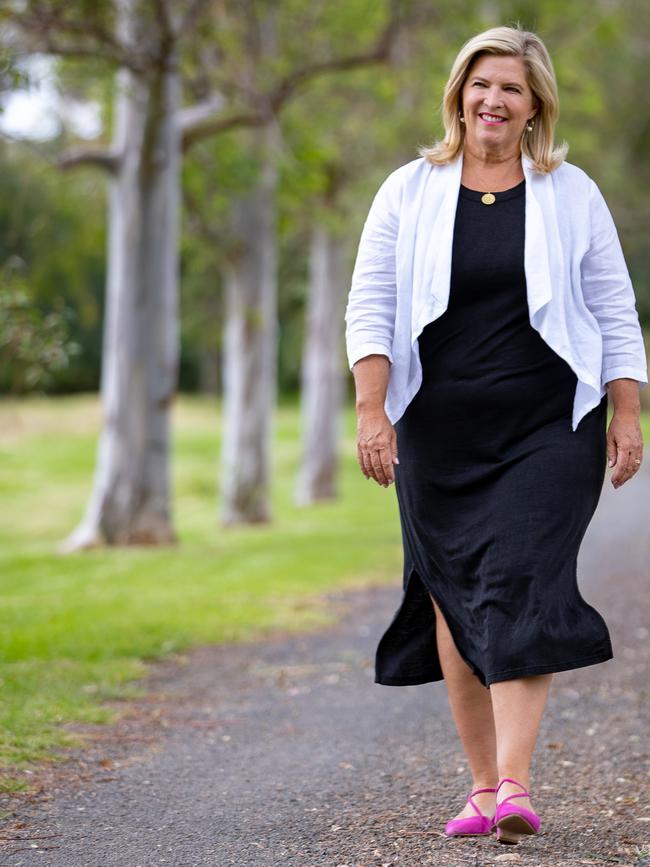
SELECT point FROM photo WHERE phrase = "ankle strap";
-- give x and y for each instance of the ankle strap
(510, 780)
(471, 799)
(478, 791)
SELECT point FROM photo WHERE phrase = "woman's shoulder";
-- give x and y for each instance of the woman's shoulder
(573, 178)
(400, 182)
(579, 195)
(407, 172)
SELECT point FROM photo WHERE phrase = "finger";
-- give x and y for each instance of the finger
(391, 457)
(370, 465)
(393, 447)
(622, 471)
(367, 463)
(378, 467)
(387, 465)
(629, 465)
(612, 450)
(360, 461)
(635, 462)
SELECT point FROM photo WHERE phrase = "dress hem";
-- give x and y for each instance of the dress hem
(510, 674)
(550, 668)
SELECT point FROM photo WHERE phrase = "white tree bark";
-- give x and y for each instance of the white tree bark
(322, 369)
(130, 500)
(250, 350)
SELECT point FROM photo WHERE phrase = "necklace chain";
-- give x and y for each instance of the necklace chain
(488, 197)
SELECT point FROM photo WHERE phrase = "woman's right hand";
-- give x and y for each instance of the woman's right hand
(376, 446)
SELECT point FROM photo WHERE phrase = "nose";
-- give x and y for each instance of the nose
(492, 98)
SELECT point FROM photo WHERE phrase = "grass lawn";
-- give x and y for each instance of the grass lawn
(75, 629)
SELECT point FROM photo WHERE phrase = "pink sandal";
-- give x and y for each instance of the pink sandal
(511, 821)
(471, 825)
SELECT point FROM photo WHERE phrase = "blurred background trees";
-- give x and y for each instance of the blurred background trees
(313, 103)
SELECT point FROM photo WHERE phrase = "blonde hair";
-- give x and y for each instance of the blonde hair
(508, 42)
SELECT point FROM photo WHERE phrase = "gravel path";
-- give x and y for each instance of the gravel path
(284, 752)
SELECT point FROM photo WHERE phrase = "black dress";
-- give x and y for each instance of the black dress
(495, 489)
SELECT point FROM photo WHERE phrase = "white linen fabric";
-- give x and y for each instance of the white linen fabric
(579, 293)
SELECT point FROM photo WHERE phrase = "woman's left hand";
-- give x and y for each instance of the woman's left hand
(624, 446)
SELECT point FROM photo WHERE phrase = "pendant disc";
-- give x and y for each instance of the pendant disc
(488, 198)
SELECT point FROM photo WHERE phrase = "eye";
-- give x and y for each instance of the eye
(478, 84)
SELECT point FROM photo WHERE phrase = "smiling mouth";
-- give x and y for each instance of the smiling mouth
(491, 118)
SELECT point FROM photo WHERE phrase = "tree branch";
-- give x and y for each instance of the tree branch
(207, 119)
(52, 36)
(191, 16)
(41, 152)
(191, 120)
(216, 126)
(103, 158)
(299, 77)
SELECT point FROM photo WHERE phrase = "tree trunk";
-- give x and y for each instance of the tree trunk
(250, 352)
(130, 500)
(322, 369)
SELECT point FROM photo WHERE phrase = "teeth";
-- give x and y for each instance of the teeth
(492, 117)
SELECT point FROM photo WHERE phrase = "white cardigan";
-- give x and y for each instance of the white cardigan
(580, 297)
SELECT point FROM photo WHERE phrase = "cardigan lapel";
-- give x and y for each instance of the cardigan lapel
(433, 243)
(432, 211)
(543, 259)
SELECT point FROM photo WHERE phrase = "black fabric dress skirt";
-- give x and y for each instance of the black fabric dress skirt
(495, 489)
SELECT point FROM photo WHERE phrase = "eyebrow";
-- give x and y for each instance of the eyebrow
(505, 84)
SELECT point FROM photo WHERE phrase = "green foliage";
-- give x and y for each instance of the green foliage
(12, 77)
(52, 250)
(33, 345)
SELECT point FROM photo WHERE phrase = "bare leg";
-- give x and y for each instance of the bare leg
(518, 706)
(471, 709)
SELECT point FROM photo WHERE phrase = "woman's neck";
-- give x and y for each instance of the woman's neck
(490, 169)
(488, 160)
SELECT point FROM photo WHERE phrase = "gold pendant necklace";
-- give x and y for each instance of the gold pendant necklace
(488, 198)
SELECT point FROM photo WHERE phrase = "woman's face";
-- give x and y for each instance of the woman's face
(497, 103)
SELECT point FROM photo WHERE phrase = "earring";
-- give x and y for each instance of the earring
(530, 125)
(460, 115)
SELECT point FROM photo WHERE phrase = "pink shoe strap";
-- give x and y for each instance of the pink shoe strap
(510, 780)
(517, 795)
(523, 794)
(471, 800)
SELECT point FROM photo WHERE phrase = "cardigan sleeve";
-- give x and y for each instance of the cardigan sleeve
(608, 294)
(370, 311)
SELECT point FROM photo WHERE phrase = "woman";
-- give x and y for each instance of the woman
(490, 316)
